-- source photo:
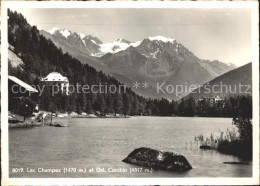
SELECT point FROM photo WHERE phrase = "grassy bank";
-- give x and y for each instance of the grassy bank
(236, 141)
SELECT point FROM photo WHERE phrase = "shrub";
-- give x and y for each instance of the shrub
(244, 126)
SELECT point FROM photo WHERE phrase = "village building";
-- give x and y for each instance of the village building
(211, 101)
(20, 99)
(55, 78)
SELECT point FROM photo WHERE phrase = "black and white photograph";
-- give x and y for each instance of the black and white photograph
(130, 90)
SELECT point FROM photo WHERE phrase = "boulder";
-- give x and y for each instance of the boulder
(158, 160)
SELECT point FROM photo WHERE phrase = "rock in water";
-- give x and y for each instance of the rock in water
(158, 160)
(206, 147)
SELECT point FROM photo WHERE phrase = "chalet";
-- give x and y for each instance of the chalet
(55, 78)
(20, 97)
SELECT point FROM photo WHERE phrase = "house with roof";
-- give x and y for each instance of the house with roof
(20, 98)
(55, 78)
(18, 88)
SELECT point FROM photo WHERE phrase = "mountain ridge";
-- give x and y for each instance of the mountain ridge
(241, 76)
(154, 60)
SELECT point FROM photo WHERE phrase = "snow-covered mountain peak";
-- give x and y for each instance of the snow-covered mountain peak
(92, 39)
(99, 48)
(64, 32)
(81, 35)
(53, 30)
(116, 46)
(121, 40)
(135, 44)
(161, 38)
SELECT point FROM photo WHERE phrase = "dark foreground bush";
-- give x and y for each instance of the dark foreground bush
(240, 148)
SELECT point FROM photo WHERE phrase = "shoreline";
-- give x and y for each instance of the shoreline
(43, 118)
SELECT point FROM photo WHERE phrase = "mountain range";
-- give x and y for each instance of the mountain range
(227, 85)
(155, 60)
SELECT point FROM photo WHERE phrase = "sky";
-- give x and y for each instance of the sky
(213, 34)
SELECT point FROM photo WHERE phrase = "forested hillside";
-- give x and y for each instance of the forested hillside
(227, 85)
(40, 57)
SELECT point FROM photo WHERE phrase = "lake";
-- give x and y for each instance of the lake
(96, 145)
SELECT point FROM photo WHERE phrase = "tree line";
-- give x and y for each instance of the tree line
(40, 57)
(228, 107)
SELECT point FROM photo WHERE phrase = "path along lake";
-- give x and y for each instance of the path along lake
(104, 143)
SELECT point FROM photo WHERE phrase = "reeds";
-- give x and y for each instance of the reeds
(214, 140)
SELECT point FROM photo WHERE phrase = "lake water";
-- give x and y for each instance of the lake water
(99, 144)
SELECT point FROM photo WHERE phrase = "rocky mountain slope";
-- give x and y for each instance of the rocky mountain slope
(156, 60)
